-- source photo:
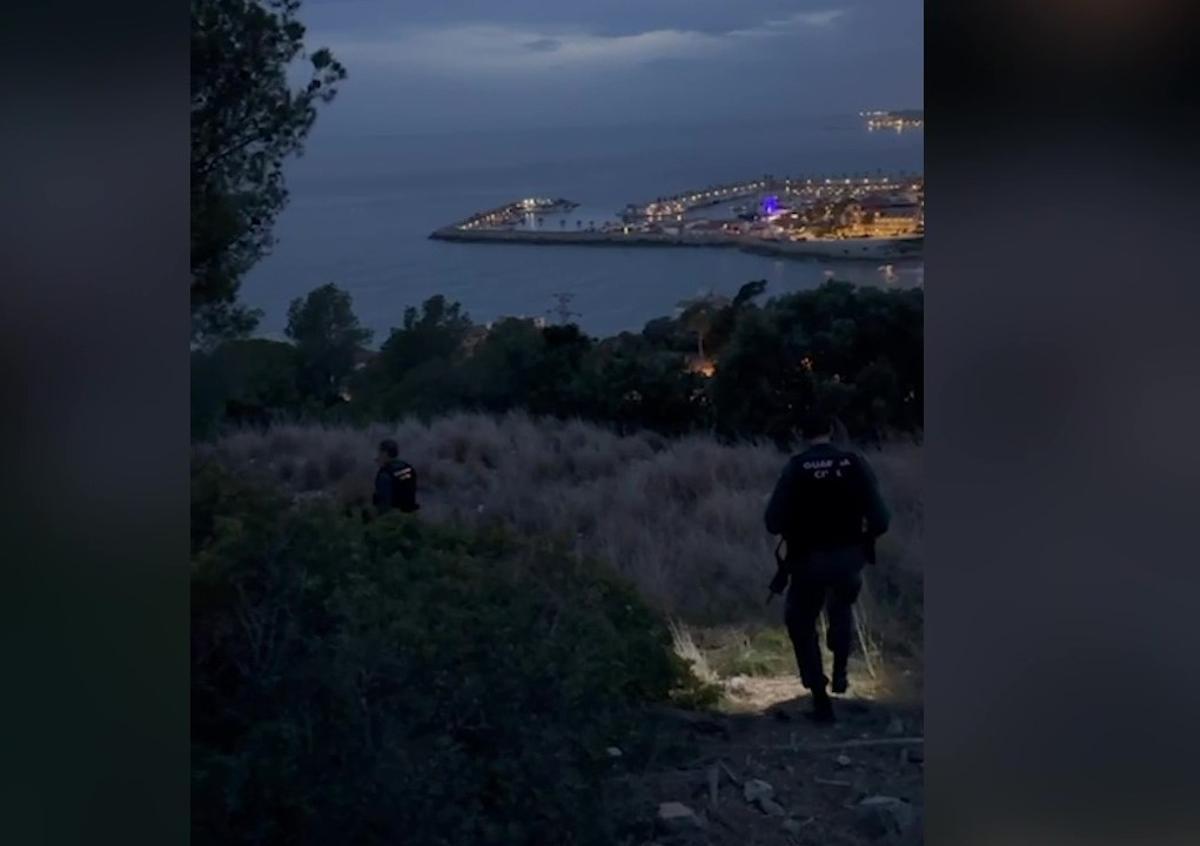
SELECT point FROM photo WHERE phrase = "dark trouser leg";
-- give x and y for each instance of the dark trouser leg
(804, 601)
(840, 613)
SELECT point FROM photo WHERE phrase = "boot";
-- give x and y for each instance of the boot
(822, 707)
(839, 683)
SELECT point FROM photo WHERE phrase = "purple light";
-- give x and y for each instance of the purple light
(770, 204)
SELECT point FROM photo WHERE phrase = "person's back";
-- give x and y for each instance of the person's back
(395, 481)
(828, 508)
(826, 498)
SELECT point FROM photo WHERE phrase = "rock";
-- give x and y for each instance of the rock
(878, 817)
(896, 727)
(843, 760)
(676, 816)
(613, 752)
(771, 808)
(796, 827)
(755, 790)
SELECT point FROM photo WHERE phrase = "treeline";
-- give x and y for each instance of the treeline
(726, 365)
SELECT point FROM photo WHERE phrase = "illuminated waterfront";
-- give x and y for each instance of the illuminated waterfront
(897, 120)
(362, 209)
(833, 216)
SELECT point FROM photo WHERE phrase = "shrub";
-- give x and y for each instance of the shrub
(680, 518)
(405, 682)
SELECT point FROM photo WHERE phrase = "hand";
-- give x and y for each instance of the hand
(780, 582)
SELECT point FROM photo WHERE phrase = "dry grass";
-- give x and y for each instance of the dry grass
(681, 518)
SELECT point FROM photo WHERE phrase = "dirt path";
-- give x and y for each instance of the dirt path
(855, 782)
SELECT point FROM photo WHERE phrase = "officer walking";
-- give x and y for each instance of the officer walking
(395, 481)
(828, 508)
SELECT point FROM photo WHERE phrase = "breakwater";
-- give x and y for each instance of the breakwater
(832, 248)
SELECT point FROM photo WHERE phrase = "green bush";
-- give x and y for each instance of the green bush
(404, 682)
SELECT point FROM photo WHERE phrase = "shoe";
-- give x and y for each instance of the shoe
(822, 708)
(839, 685)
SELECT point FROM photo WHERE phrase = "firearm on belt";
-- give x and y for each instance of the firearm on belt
(779, 583)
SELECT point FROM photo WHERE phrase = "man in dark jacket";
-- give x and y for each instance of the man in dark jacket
(828, 508)
(395, 482)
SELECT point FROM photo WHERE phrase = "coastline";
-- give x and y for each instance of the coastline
(840, 248)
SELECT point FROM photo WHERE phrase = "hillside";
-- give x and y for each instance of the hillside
(681, 518)
(681, 521)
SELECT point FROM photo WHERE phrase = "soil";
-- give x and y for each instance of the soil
(818, 773)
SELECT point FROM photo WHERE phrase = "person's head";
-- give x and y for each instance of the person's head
(388, 450)
(816, 427)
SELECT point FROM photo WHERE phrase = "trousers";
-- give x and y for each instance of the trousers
(828, 579)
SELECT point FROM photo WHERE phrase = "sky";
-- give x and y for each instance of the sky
(460, 65)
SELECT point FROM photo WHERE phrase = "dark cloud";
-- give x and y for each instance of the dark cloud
(543, 45)
(602, 17)
(622, 61)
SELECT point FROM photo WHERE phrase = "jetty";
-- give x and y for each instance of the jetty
(831, 217)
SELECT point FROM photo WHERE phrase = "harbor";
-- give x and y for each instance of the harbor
(901, 120)
(847, 216)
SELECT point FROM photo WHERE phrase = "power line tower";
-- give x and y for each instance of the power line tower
(562, 310)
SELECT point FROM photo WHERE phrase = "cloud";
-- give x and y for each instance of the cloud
(543, 45)
(473, 48)
(797, 21)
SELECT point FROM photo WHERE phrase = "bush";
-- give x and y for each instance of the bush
(404, 682)
(679, 518)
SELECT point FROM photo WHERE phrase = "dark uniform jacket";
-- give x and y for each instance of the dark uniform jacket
(395, 487)
(827, 498)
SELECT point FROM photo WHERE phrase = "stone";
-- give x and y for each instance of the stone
(755, 790)
(676, 816)
(796, 827)
(613, 752)
(843, 760)
(878, 817)
(771, 808)
(737, 685)
(896, 727)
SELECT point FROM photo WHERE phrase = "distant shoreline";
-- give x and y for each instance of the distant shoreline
(832, 248)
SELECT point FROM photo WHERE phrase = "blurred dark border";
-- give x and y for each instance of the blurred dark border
(94, 356)
(1062, 406)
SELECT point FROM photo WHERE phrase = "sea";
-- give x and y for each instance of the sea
(362, 206)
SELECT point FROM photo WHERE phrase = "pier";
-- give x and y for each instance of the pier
(828, 217)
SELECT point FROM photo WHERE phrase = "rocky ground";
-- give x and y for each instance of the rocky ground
(757, 772)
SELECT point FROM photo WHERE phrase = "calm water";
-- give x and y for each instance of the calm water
(362, 208)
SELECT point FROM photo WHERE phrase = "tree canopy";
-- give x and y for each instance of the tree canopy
(327, 336)
(247, 118)
(856, 353)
